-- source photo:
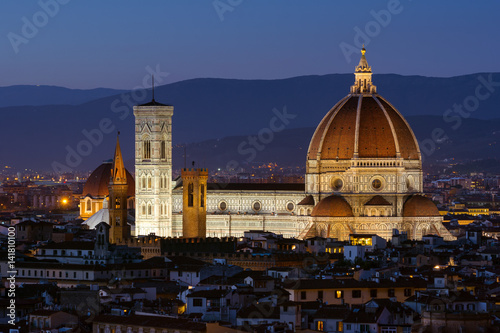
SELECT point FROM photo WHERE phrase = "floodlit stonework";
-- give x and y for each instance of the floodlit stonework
(363, 175)
(153, 168)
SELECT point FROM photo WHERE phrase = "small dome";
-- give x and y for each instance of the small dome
(332, 206)
(97, 183)
(419, 206)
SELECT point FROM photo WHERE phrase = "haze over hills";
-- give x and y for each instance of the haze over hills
(50, 95)
(208, 109)
(475, 139)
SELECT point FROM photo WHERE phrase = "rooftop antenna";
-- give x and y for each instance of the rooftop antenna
(185, 157)
(153, 86)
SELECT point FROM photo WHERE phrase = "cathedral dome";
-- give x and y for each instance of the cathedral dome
(364, 125)
(98, 181)
(332, 206)
(419, 206)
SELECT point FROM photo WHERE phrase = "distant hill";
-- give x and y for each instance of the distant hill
(207, 109)
(50, 95)
(475, 139)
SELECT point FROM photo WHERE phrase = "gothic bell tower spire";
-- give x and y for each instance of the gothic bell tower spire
(118, 173)
(118, 189)
(363, 77)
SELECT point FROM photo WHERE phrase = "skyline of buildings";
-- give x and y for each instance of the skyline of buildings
(357, 230)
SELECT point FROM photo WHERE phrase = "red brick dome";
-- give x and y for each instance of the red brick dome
(98, 181)
(332, 206)
(380, 130)
(419, 206)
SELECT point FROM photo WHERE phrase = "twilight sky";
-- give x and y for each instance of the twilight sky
(90, 44)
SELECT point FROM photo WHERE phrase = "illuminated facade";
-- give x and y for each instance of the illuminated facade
(364, 175)
(153, 168)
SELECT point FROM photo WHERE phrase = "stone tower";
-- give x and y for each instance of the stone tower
(194, 203)
(101, 246)
(118, 188)
(153, 168)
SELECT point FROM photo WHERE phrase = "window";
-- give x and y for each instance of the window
(320, 294)
(407, 292)
(337, 184)
(339, 294)
(149, 210)
(147, 149)
(348, 327)
(356, 294)
(390, 293)
(364, 328)
(88, 205)
(302, 295)
(340, 326)
(319, 325)
(202, 196)
(190, 194)
(149, 182)
(198, 302)
(163, 150)
(377, 184)
(389, 330)
(256, 206)
(373, 293)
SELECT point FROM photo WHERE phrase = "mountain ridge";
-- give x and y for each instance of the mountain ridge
(207, 109)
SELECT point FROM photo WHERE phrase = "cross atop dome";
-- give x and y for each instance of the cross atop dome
(363, 77)
(363, 66)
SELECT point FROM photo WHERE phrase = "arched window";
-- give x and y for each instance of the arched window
(202, 196)
(149, 182)
(146, 149)
(143, 209)
(190, 195)
(149, 209)
(88, 205)
(143, 185)
(163, 150)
